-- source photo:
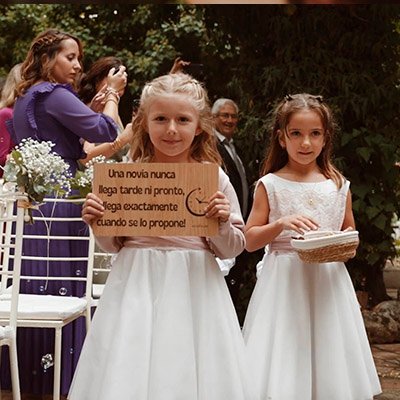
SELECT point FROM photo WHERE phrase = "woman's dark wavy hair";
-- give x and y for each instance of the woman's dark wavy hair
(96, 73)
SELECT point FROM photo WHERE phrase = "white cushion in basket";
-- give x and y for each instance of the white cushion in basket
(319, 239)
(31, 306)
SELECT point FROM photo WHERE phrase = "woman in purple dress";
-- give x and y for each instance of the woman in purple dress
(48, 109)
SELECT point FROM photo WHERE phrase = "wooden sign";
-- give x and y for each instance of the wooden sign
(152, 199)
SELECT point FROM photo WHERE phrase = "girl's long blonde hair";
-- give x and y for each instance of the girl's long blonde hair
(41, 57)
(204, 146)
(277, 157)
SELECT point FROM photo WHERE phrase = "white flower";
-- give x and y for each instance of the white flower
(82, 180)
(33, 166)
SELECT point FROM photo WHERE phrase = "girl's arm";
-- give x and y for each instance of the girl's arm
(348, 220)
(224, 205)
(259, 232)
(92, 210)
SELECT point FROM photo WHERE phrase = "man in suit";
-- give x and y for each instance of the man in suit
(225, 114)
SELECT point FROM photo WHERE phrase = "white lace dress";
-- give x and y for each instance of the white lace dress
(304, 332)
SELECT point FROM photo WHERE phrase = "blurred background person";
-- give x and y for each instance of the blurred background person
(196, 70)
(92, 91)
(179, 65)
(7, 100)
(48, 109)
(2, 82)
(226, 115)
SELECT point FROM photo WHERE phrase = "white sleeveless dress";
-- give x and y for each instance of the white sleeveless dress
(304, 333)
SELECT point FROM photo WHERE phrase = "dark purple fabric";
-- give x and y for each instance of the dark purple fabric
(53, 112)
(33, 344)
(50, 111)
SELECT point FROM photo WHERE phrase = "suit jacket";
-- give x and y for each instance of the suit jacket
(232, 171)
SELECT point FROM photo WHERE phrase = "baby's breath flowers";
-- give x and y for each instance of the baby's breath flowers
(34, 168)
(82, 181)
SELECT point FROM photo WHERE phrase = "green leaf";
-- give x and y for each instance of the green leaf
(361, 190)
(372, 212)
(357, 204)
(380, 221)
(346, 138)
(364, 152)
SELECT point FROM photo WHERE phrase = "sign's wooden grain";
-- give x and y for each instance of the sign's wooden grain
(153, 199)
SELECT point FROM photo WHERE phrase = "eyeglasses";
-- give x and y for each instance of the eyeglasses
(227, 116)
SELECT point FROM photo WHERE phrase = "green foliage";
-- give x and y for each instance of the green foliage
(349, 54)
(19, 34)
(256, 54)
(82, 181)
(374, 200)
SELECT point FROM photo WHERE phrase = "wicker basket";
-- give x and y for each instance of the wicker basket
(322, 247)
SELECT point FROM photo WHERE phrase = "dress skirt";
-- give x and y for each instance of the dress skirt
(304, 333)
(165, 329)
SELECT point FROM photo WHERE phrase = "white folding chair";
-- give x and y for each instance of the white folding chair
(57, 311)
(11, 228)
(101, 268)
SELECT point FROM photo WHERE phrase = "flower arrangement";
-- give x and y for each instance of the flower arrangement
(82, 181)
(37, 171)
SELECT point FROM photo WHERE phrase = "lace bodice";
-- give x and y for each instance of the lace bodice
(322, 201)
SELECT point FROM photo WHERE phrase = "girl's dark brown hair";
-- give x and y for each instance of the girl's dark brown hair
(277, 157)
(41, 56)
(96, 73)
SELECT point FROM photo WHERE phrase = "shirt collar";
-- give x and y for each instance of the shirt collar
(222, 138)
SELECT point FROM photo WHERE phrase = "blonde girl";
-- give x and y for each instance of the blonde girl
(165, 328)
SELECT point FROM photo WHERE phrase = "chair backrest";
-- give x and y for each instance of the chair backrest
(11, 231)
(58, 251)
(101, 268)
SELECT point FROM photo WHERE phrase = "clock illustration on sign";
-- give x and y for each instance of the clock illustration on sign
(196, 202)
